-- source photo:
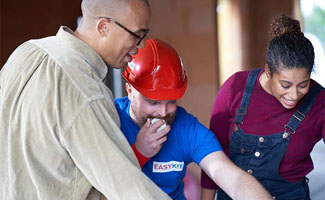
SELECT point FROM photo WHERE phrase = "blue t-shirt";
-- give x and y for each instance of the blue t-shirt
(188, 141)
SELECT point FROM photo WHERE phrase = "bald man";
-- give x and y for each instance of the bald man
(59, 130)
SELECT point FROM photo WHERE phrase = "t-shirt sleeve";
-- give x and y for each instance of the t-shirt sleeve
(199, 141)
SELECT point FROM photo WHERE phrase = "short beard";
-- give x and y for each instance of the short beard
(169, 119)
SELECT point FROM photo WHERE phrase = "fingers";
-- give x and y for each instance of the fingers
(157, 144)
(150, 127)
(146, 129)
(163, 132)
(148, 123)
(148, 141)
(159, 138)
(158, 125)
(162, 140)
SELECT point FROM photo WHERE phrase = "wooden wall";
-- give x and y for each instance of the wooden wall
(188, 25)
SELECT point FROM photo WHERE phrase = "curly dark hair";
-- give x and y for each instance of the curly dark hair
(289, 48)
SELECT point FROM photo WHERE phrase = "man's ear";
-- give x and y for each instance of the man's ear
(102, 27)
(128, 89)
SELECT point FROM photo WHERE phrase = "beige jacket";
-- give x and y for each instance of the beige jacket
(59, 130)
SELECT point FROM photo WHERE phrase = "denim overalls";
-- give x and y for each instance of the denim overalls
(261, 155)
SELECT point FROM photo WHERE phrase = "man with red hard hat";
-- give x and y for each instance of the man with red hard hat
(164, 137)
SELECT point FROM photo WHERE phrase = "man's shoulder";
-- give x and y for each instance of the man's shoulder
(121, 103)
(183, 117)
(181, 112)
(48, 44)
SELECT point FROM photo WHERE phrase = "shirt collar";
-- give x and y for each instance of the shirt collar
(85, 51)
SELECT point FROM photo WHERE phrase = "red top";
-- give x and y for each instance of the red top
(266, 116)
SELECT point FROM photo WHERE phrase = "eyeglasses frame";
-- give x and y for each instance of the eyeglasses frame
(140, 38)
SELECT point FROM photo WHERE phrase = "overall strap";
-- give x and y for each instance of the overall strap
(242, 110)
(299, 115)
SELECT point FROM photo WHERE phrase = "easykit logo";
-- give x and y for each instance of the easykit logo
(163, 167)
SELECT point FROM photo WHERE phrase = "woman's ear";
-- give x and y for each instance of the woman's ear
(267, 71)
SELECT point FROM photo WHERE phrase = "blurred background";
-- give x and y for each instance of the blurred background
(215, 38)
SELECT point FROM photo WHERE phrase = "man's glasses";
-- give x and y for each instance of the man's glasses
(139, 37)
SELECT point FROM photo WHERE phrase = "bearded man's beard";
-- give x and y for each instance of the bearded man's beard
(169, 119)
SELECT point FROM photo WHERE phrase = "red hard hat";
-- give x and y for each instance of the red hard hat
(157, 72)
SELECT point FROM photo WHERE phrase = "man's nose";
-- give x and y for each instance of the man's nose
(162, 110)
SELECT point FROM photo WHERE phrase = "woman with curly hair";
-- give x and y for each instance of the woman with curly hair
(268, 120)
